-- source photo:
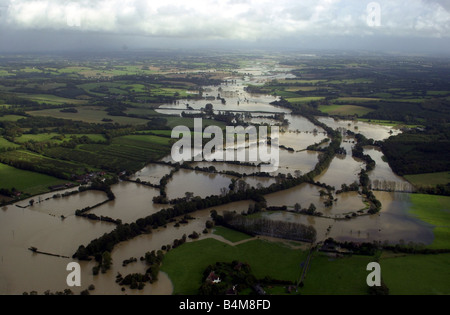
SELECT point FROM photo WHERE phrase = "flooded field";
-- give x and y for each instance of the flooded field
(370, 131)
(382, 177)
(393, 224)
(41, 225)
(152, 173)
(344, 169)
(133, 201)
(200, 183)
(20, 269)
(307, 194)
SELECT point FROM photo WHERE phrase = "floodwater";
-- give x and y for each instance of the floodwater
(392, 225)
(20, 269)
(370, 131)
(133, 201)
(344, 169)
(200, 183)
(382, 177)
(41, 225)
(66, 206)
(152, 173)
(307, 194)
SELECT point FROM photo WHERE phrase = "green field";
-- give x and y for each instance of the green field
(185, 265)
(6, 144)
(56, 138)
(417, 274)
(434, 210)
(304, 99)
(25, 181)
(344, 110)
(10, 118)
(330, 276)
(124, 153)
(41, 163)
(353, 100)
(430, 179)
(89, 115)
(51, 99)
(230, 235)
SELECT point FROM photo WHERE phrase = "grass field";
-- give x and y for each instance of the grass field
(10, 118)
(54, 137)
(28, 182)
(125, 153)
(6, 144)
(41, 163)
(344, 276)
(51, 99)
(434, 210)
(230, 235)
(417, 274)
(430, 179)
(344, 110)
(353, 100)
(304, 99)
(186, 264)
(89, 115)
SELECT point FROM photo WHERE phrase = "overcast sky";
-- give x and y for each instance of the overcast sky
(400, 25)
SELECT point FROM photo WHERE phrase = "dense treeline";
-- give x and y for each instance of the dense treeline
(418, 152)
(267, 227)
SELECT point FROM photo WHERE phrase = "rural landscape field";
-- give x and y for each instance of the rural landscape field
(86, 174)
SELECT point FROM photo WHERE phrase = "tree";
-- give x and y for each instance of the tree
(31, 202)
(297, 207)
(312, 209)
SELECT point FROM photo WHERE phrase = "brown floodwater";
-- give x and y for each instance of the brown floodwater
(393, 224)
(20, 269)
(344, 169)
(370, 131)
(133, 201)
(200, 183)
(382, 177)
(307, 194)
(152, 173)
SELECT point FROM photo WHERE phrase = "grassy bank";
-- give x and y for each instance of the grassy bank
(434, 210)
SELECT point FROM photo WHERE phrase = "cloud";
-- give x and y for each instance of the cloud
(230, 19)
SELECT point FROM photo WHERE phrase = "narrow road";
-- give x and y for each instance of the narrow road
(307, 264)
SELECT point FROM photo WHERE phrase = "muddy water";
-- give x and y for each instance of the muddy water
(307, 194)
(133, 201)
(344, 169)
(370, 131)
(67, 206)
(200, 183)
(152, 173)
(300, 140)
(20, 269)
(237, 100)
(382, 177)
(393, 224)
